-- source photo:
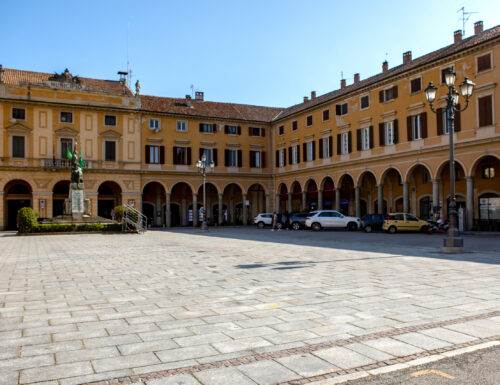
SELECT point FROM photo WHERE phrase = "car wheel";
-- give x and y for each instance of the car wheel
(351, 226)
(296, 225)
(368, 229)
(423, 229)
(260, 225)
(316, 226)
(393, 229)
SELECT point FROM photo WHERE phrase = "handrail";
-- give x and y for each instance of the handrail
(134, 218)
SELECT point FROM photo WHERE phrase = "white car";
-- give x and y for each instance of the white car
(332, 219)
(263, 219)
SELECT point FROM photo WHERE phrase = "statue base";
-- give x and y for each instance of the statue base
(76, 205)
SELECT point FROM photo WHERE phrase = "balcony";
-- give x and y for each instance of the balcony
(61, 163)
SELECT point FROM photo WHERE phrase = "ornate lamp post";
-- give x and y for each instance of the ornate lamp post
(453, 243)
(202, 167)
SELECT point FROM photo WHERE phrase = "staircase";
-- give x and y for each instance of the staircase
(133, 220)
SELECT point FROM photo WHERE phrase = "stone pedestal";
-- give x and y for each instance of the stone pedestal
(76, 205)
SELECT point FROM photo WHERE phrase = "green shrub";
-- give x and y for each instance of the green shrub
(26, 219)
(118, 210)
(73, 227)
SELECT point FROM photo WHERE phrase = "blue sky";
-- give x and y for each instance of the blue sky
(259, 52)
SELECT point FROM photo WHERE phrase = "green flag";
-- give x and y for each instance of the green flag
(80, 160)
(69, 155)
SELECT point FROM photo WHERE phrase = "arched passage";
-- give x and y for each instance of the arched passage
(211, 203)
(17, 194)
(460, 192)
(328, 194)
(256, 196)
(153, 203)
(60, 192)
(109, 195)
(390, 190)
(486, 182)
(311, 195)
(181, 195)
(420, 189)
(346, 195)
(367, 193)
(283, 198)
(296, 191)
(234, 197)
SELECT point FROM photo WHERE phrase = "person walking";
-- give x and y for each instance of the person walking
(284, 221)
(279, 223)
(274, 222)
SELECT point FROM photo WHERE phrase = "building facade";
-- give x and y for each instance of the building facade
(371, 146)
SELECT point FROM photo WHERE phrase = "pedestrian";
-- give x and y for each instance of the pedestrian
(225, 217)
(279, 224)
(274, 222)
(284, 220)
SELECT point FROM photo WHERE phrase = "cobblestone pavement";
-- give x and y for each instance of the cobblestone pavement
(183, 308)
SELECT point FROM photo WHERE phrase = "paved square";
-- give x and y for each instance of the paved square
(241, 305)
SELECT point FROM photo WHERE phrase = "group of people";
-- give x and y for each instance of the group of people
(280, 221)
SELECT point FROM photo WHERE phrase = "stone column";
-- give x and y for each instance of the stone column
(406, 197)
(231, 210)
(184, 212)
(221, 210)
(304, 200)
(267, 203)
(3, 219)
(337, 199)
(435, 193)
(195, 209)
(289, 203)
(245, 210)
(93, 197)
(167, 211)
(320, 199)
(158, 208)
(469, 203)
(380, 198)
(278, 203)
(356, 200)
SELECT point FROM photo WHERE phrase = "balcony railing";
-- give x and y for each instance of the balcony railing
(61, 163)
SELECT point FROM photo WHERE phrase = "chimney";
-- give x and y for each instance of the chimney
(189, 102)
(306, 99)
(313, 95)
(385, 66)
(198, 95)
(342, 83)
(478, 27)
(457, 35)
(356, 78)
(2, 74)
(406, 57)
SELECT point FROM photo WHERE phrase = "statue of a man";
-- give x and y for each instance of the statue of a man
(76, 167)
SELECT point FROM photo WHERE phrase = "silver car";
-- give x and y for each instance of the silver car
(331, 219)
(263, 219)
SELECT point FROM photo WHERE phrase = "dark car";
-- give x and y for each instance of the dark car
(371, 222)
(297, 221)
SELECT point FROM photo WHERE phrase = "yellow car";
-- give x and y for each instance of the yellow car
(404, 222)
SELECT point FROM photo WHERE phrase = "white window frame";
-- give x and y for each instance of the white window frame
(342, 104)
(309, 151)
(444, 117)
(365, 138)
(154, 154)
(229, 129)
(295, 154)
(258, 158)
(154, 124)
(416, 127)
(66, 112)
(345, 143)
(282, 157)
(385, 90)
(208, 152)
(326, 147)
(233, 158)
(182, 124)
(389, 133)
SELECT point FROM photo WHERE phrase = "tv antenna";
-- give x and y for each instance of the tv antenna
(192, 90)
(465, 17)
(129, 71)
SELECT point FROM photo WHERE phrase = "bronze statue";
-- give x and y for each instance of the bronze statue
(76, 167)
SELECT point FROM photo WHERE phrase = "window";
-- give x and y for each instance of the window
(415, 127)
(110, 151)
(444, 120)
(485, 111)
(181, 126)
(66, 146)
(19, 113)
(488, 172)
(345, 143)
(341, 109)
(295, 154)
(389, 133)
(256, 131)
(208, 128)
(155, 154)
(443, 72)
(233, 158)
(310, 151)
(416, 85)
(257, 159)
(18, 146)
(325, 145)
(365, 101)
(388, 94)
(309, 120)
(396, 217)
(210, 155)
(154, 124)
(281, 130)
(66, 117)
(326, 115)
(182, 155)
(484, 62)
(232, 130)
(410, 217)
(281, 158)
(109, 120)
(295, 125)
(365, 138)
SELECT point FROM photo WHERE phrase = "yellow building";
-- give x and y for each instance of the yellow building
(371, 146)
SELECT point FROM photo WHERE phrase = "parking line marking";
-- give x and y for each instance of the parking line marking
(427, 371)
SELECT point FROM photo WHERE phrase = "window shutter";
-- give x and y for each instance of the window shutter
(226, 158)
(349, 141)
(284, 156)
(423, 124)
(250, 131)
(162, 154)
(189, 155)
(290, 155)
(371, 136)
(485, 111)
(240, 160)
(381, 134)
(263, 159)
(313, 150)
(214, 127)
(226, 129)
(214, 156)
(201, 153)
(395, 92)
(457, 120)
(238, 130)
(439, 120)
(338, 109)
(263, 131)
(330, 145)
(252, 158)
(304, 152)
(201, 127)
(408, 128)
(395, 126)
(338, 144)
(148, 160)
(174, 155)
(381, 96)
(277, 158)
(298, 153)
(358, 139)
(320, 143)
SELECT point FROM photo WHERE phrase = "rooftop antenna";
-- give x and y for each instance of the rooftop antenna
(465, 17)
(129, 72)
(192, 90)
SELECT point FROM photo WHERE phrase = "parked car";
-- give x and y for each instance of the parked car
(297, 221)
(404, 222)
(372, 222)
(331, 219)
(263, 219)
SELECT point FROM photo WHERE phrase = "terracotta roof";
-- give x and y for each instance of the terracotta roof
(208, 109)
(13, 76)
(415, 63)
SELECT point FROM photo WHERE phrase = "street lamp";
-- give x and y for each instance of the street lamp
(202, 167)
(453, 243)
